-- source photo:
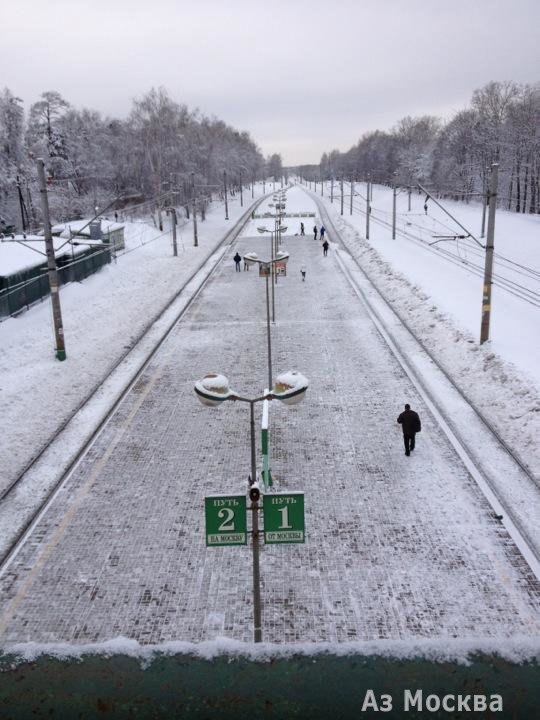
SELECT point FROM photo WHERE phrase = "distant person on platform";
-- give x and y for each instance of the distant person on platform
(325, 247)
(410, 424)
(315, 231)
(303, 273)
(302, 231)
(237, 260)
(323, 230)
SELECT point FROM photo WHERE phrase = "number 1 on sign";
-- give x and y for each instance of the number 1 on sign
(284, 518)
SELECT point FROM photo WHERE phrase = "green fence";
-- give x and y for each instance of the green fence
(22, 289)
(286, 688)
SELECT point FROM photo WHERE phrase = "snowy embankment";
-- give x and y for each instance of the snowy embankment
(440, 298)
(103, 318)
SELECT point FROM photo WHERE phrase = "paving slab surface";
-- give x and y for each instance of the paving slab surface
(397, 547)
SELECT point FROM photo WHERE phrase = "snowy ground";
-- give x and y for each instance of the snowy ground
(397, 548)
(456, 287)
(441, 301)
(103, 317)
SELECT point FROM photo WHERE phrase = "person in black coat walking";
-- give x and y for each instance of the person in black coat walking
(410, 424)
(315, 231)
(237, 259)
(325, 247)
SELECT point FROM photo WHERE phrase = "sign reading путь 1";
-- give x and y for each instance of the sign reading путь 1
(284, 518)
(226, 520)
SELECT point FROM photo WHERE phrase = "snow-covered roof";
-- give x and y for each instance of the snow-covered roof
(15, 257)
(82, 227)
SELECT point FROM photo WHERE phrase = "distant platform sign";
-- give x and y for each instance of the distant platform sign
(226, 520)
(284, 518)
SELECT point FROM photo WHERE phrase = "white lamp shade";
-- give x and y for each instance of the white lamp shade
(290, 387)
(213, 389)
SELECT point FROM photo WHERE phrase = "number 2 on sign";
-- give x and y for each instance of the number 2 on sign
(228, 522)
(284, 519)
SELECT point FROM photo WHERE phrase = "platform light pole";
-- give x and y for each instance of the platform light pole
(51, 265)
(212, 390)
(266, 265)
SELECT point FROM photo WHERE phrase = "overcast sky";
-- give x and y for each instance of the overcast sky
(302, 76)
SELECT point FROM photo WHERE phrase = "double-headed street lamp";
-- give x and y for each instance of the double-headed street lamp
(290, 388)
(266, 267)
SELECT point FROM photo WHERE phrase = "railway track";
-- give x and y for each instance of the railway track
(8, 493)
(523, 539)
(484, 476)
(460, 259)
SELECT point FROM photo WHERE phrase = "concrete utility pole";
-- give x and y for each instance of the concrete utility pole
(490, 244)
(352, 194)
(341, 187)
(322, 187)
(241, 195)
(332, 190)
(194, 211)
(225, 191)
(368, 209)
(394, 212)
(195, 234)
(51, 265)
(409, 206)
(175, 246)
(252, 190)
(484, 203)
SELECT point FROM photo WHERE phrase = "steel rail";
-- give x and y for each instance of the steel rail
(528, 542)
(225, 242)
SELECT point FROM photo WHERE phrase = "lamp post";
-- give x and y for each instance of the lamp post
(290, 388)
(251, 258)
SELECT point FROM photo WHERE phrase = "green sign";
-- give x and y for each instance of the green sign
(226, 520)
(284, 518)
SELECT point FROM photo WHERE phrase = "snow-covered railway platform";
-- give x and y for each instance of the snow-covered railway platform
(396, 547)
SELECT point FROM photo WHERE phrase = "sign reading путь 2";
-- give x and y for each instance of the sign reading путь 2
(284, 518)
(226, 520)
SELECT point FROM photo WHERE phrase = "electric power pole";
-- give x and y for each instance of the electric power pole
(490, 244)
(175, 246)
(409, 206)
(51, 265)
(368, 209)
(484, 203)
(341, 188)
(394, 212)
(195, 235)
(352, 193)
(241, 196)
(225, 191)
(332, 190)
